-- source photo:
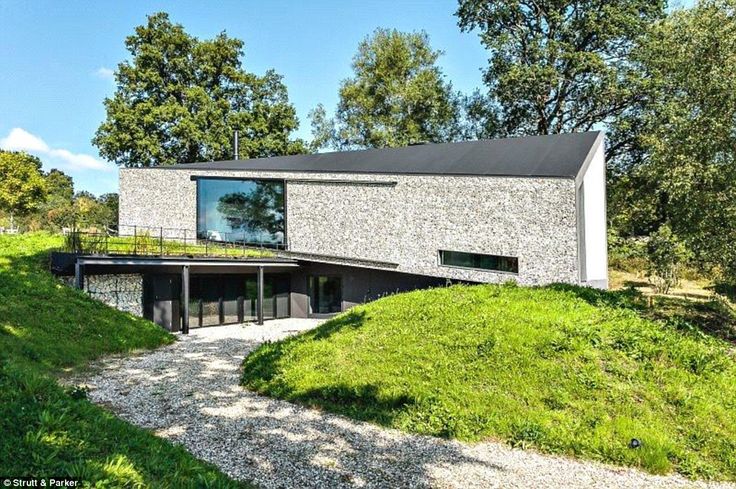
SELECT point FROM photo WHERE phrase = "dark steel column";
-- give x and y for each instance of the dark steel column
(185, 299)
(259, 304)
(78, 275)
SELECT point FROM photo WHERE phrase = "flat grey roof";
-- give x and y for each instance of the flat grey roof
(559, 155)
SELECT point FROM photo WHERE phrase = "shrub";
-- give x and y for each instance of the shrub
(666, 256)
(626, 254)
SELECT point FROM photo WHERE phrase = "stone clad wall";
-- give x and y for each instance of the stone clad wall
(123, 292)
(406, 223)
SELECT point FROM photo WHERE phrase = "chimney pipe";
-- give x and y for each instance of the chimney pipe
(236, 145)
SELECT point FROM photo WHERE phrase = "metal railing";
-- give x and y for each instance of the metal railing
(134, 240)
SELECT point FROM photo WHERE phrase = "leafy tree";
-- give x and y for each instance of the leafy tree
(89, 211)
(110, 203)
(666, 256)
(558, 66)
(57, 212)
(635, 206)
(254, 212)
(180, 99)
(22, 186)
(687, 128)
(396, 96)
(86, 210)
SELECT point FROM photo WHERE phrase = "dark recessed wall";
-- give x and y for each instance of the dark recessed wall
(359, 285)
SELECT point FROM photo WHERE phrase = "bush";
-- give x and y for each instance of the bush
(666, 256)
(627, 254)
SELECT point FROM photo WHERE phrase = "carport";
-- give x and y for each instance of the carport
(185, 267)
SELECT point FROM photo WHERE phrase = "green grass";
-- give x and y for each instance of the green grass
(47, 329)
(563, 369)
(145, 244)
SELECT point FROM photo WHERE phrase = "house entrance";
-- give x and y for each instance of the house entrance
(325, 294)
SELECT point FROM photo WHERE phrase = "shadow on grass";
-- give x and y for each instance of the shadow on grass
(269, 440)
(350, 319)
(636, 283)
(727, 290)
(264, 365)
(51, 432)
(360, 402)
(713, 318)
(45, 328)
(57, 327)
(628, 298)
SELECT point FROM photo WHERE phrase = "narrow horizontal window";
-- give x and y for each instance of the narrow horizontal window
(496, 263)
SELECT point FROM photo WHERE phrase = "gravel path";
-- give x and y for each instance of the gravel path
(189, 393)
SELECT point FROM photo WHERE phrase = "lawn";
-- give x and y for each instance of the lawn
(562, 369)
(46, 330)
(145, 244)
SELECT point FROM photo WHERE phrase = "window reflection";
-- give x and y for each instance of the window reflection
(250, 211)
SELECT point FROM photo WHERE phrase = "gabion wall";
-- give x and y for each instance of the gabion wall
(123, 292)
(400, 219)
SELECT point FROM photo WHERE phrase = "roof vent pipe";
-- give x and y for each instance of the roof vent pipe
(236, 145)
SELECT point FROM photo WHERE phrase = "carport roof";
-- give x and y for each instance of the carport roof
(559, 155)
(181, 261)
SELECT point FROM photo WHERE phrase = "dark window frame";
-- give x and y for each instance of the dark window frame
(197, 178)
(310, 291)
(514, 268)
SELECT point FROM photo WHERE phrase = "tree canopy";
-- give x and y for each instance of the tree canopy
(397, 96)
(22, 185)
(557, 66)
(179, 99)
(686, 129)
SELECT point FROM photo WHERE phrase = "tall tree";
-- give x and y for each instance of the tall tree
(110, 203)
(255, 211)
(558, 65)
(687, 128)
(57, 211)
(396, 96)
(22, 186)
(180, 99)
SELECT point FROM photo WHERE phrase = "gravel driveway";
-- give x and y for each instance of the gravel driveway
(189, 393)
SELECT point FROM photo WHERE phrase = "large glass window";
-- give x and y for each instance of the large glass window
(494, 263)
(250, 211)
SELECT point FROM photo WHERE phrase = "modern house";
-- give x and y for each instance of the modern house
(348, 227)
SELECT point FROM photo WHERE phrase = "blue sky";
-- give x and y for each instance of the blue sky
(57, 56)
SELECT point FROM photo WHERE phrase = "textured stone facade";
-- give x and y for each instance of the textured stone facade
(399, 219)
(123, 292)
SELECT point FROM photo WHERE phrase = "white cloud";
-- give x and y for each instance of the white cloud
(105, 73)
(21, 140)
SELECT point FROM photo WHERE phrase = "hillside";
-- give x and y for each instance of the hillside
(45, 330)
(562, 369)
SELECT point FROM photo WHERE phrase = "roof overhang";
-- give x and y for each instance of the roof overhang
(599, 140)
(163, 261)
(543, 156)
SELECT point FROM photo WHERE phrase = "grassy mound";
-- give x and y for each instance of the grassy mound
(46, 328)
(564, 369)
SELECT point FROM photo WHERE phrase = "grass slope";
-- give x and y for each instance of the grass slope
(563, 369)
(45, 329)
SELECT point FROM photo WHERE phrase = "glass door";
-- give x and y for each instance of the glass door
(325, 294)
